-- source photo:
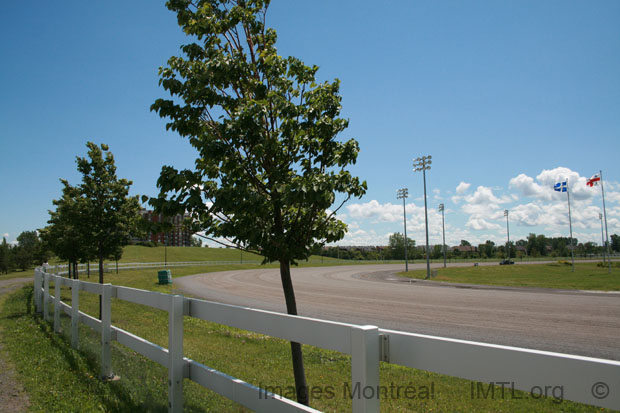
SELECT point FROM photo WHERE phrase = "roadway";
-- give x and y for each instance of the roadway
(574, 322)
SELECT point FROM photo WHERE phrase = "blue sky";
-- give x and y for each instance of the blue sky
(507, 97)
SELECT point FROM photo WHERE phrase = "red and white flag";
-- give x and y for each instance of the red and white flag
(594, 180)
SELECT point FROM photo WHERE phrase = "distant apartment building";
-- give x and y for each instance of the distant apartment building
(176, 237)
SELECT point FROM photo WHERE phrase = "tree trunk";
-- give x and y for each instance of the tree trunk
(69, 269)
(100, 282)
(298, 362)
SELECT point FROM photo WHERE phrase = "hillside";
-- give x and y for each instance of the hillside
(136, 253)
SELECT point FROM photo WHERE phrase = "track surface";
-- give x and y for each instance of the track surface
(582, 323)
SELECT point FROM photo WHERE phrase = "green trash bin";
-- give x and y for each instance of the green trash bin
(164, 277)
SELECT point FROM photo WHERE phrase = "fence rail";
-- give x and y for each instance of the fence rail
(524, 369)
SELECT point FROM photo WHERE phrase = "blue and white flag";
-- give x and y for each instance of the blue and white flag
(561, 187)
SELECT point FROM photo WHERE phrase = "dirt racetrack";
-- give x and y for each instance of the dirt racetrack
(582, 323)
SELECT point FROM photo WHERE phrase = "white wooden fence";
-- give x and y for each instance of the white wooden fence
(582, 379)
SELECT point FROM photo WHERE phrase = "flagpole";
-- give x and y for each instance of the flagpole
(570, 225)
(605, 215)
(600, 216)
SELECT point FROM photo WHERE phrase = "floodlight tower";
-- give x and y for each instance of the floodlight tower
(424, 164)
(443, 230)
(507, 234)
(403, 193)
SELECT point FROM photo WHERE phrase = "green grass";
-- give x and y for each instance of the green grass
(587, 276)
(16, 274)
(137, 253)
(59, 378)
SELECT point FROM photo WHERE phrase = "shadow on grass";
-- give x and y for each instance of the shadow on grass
(78, 360)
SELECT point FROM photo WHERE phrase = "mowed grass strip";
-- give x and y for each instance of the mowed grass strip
(587, 276)
(59, 378)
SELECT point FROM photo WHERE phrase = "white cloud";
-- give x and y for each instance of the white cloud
(528, 187)
(361, 237)
(462, 187)
(542, 187)
(353, 225)
(374, 210)
(5, 235)
(528, 215)
(577, 183)
(477, 214)
(480, 224)
(612, 197)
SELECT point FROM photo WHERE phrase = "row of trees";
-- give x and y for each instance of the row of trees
(533, 246)
(94, 219)
(28, 251)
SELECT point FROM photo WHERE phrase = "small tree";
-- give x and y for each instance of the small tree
(108, 209)
(268, 163)
(5, 257)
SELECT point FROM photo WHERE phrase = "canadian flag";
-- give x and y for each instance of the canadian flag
(594, 180)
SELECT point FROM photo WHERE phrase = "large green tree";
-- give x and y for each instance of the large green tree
(29, 250)
(396, 247)
(269, 165)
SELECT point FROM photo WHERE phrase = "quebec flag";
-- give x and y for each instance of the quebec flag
(561, 187)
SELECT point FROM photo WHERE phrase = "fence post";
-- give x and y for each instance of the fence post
(57, 285)
(37, 290)
(175, 354)
(46, 296)
(75, 312)
(106, 331)
(365, 355)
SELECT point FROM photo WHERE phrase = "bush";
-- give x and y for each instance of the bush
(604, 264)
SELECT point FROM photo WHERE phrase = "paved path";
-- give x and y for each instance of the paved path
(583, 323)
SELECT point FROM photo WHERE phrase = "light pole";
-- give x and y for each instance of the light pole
(423, 164)
(402, 194)
(600, 216)
(443, 230)
(507, 234)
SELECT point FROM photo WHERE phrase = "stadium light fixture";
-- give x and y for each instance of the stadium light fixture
(443, 230)
(423, 164)
(402, 194)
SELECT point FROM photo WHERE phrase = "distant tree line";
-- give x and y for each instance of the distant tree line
(533, 246)
(28, 252)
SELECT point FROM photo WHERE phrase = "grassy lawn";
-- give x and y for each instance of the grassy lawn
(59, 378)
(17, 274)
(587, 276)
(137, 253)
